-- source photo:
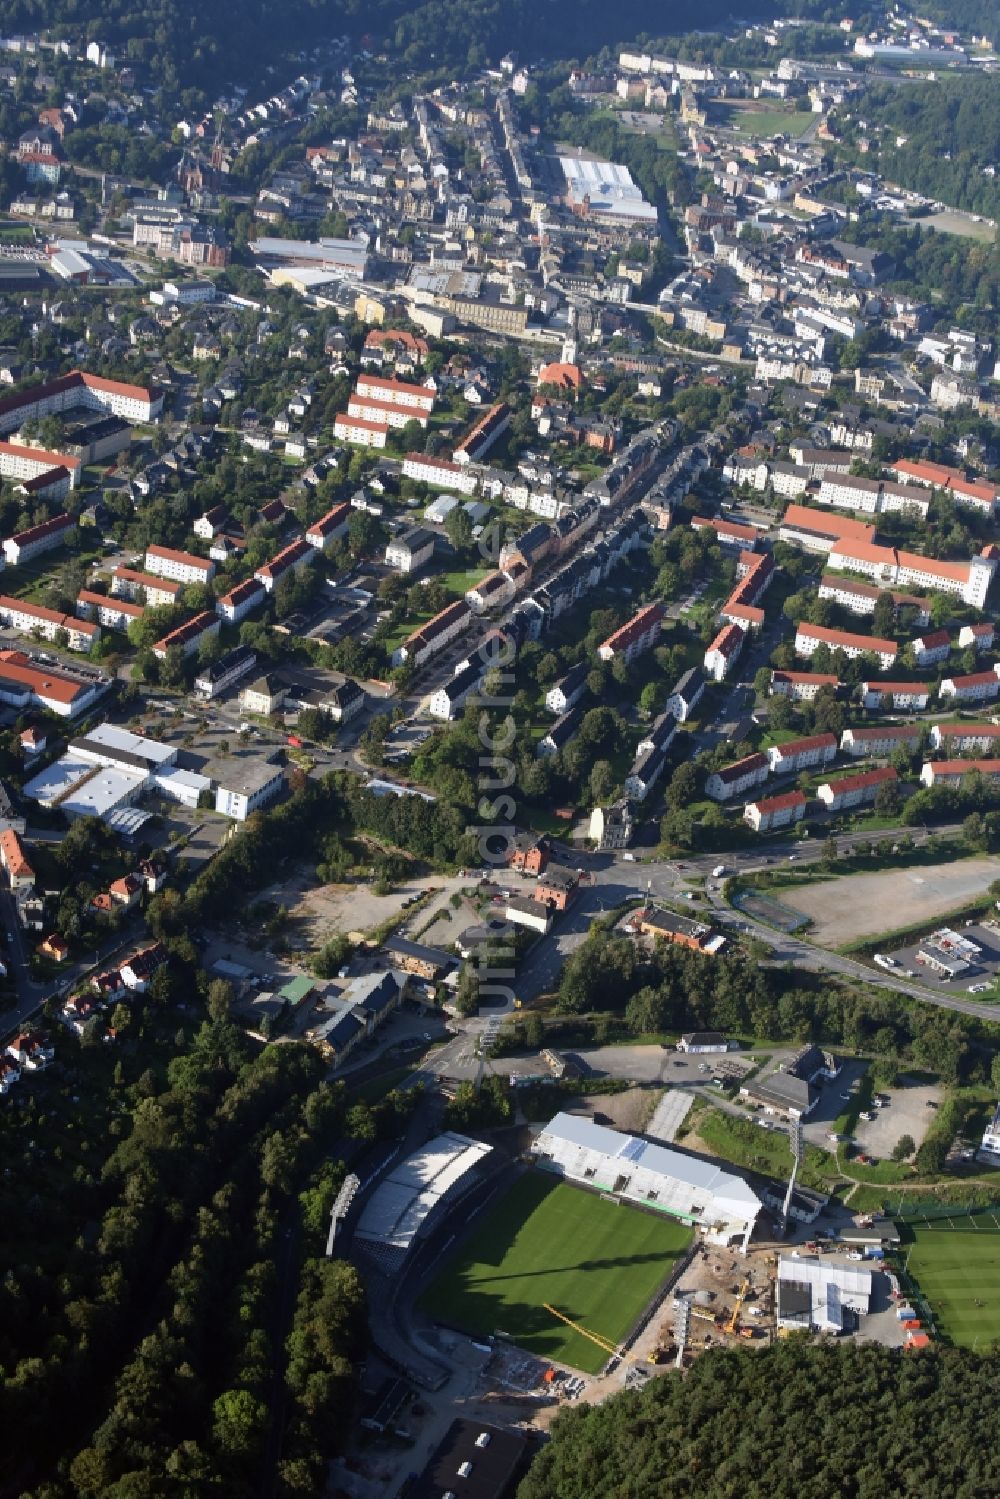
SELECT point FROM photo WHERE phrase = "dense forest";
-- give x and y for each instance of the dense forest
(795, 1421)
(938, 139)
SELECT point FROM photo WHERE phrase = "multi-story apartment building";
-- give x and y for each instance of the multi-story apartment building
(802, 754)
(290, 559)
(127, 583)
(361, 431)
(31, 619)
(110, 613)
(723, 653)
(739, 778)
(847, 792)
(179, 567)
(965, 738)
(772, 812)
(881, 740)
(240, 601)
(638, 634)
(903, 697)
(133, 403)
(189, 636)
(801, 686)
(52, 533)
(808, 638)
(977, 687)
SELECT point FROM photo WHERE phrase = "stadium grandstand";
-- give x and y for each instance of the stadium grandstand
(404, 1204)
(721, 1206)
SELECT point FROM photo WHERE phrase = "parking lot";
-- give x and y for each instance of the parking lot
(983, 969)
(908, 1112)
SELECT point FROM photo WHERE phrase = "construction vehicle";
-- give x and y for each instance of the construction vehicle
(732, 1325)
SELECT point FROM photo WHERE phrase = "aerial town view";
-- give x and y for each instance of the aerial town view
(499, 749)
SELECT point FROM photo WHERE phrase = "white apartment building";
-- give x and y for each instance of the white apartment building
(801, 686)
(796, 755)
(963, 738)
(110, 613)
(441, 473)
(808, 638)
(38, 539)
(23, 463)
(904, 697)
(854, 790)
(179, 567)
(417, 398)
(876, 742)
(978, 687)
(250, 784)
(772, 812)
(240, 601)
(410, 551)
(127, 583)
(970, 581)
(384, 412)
(739, 778)
(133, 403)
(27, 619)
(360, 431)
(724, 652)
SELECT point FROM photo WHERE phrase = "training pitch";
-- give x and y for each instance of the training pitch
(956, 1263)
(546, 1241)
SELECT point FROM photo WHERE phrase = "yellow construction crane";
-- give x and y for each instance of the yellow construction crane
(734, 1320)
(594, 1337)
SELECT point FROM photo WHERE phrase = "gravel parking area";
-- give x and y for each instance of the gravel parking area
(861, 905)
(908, 1113)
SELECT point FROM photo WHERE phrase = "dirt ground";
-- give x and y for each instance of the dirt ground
(319, 912)
(862, 905)
(629, 1111)
(957, 223)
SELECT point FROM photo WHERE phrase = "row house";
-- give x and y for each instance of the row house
(808, 638)
(965, 738)
(739, 778)
(950, 772)
(801, 686)
(723, 653)
(772, 812)
(848, 792)
(881, 740)
(976, 687)
(802, 754)
(901, 697)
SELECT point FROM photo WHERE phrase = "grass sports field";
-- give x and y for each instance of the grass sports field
(956, 1262)
(546, 1241)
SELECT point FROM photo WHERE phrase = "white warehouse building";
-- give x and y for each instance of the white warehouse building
(680, 1186)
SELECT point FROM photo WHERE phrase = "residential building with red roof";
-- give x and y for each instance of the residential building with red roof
(179, 567)
(965, 738)
(240, 601)
(881, 739)
(950, 772)
(329, 527)
(801, 686)
(189, 636)
(297, 554)
(722, 654)
(135, 403)
(808, 639)
(31, 619)
(795, 755)
(739, 778)
(635, 636)
(904, 697)
(976, 687)
(859, 790)
(51, 533)
(130, 583)
(772, 812)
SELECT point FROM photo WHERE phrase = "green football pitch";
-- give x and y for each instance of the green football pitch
(548, 1242)
(956, 1264)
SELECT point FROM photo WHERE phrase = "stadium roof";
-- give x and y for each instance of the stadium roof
(690, 1170)
(398, 1207)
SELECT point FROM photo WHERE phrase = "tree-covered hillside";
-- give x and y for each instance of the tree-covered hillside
(796, 1421)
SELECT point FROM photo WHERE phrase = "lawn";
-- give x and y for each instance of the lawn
(956, 1262)
(549, 1242)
